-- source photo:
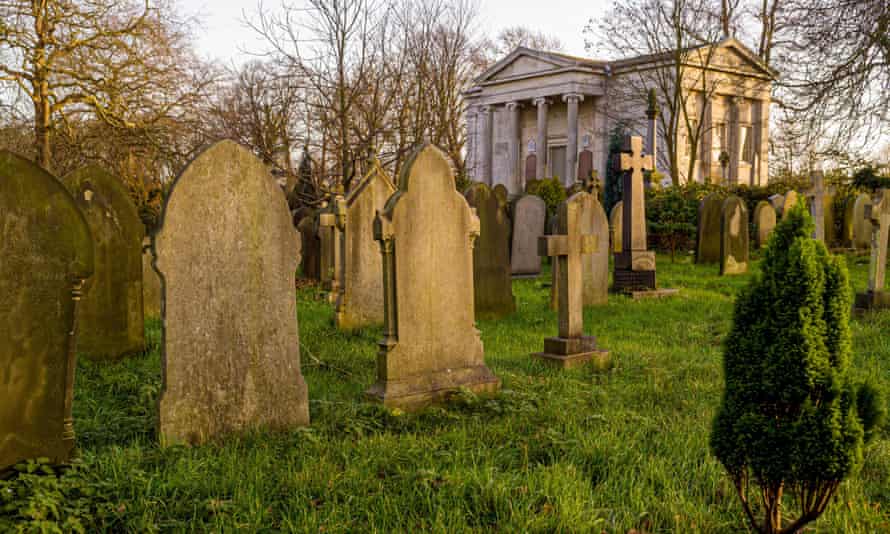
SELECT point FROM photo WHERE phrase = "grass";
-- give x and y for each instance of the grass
(556, 451)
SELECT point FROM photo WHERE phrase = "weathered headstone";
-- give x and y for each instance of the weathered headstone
(46, 256)
(329, 246)
(816, 205)
(491, 255)
(529, 216)
(310, 261)
(878, 214)
(151, 283)
(615, 226)
(846, 232)
(734, 237)
(594, 266)
(710, 213)
(431, 346)
(778, 202)
(227, 254)
(500, 190)
(764, 223)
(111, 315)
(359, 300)
(635, 264)
(567, 248)
(791, 199)
(862, 226)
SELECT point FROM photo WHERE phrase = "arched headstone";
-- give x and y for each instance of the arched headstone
(500, 191)
(310, 260)
(529, 217)
(227, 253)
(734, 237)
(594, 265)
(710, 211)
(111, 316)
(491, 255)
(431, 346)
(764, 223)
(46, 255)
(778, 202)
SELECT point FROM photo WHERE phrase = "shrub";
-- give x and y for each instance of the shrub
(550, 190)
(612, 189)
(790, 417)
(672, 216)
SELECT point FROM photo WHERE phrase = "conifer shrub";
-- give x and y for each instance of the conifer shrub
(551, 190)
(792, 424)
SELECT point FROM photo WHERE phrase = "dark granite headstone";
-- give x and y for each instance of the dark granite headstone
(310, 247)
(710, 211)
(491, 255)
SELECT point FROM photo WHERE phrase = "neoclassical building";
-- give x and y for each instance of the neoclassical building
(537, 114)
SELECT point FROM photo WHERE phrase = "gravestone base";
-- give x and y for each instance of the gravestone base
(652, 293)
(627, 280)
(871, 300)
(418, 392)
(567, 353)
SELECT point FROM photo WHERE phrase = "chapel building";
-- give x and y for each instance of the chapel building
(537, 114)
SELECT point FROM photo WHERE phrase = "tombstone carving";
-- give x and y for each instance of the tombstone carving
(635, 264)
(227, 253)
(567, 248)
(359, 300)
(529, 217)
(431, 346)
(46, 258)
(595, 265)
(615, 226)
(734, 237)
(710, 212)
(111, 314)
(878, 214)
(491, 255)
(764, 223)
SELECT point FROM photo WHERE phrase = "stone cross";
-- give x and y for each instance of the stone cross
(879, 214)
(330, 221)
(633, 164)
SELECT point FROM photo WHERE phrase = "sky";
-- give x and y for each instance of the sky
(223, 36)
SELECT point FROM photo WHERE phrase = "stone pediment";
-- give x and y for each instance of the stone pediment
(524, 62)
(733, 55)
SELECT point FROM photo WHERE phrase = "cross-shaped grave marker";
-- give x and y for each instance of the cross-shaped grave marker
(634, 265)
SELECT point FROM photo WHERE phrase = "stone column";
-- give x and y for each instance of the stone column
(651, 127)
(485, 145)
(472, 134)
(734, 136)
(514, 185)
(541, 140)
(572, 100)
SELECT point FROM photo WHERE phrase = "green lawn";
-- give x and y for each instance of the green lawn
(556, 451)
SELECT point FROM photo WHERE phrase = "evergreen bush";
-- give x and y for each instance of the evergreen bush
(551, 190)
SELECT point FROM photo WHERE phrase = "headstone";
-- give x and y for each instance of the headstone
(816, 205)
(828, 215)
(529, 216)
(861, 222)
(359, 300)
(111, 315)
(310, 262)
(878, 214)
(846, 233)
(431, 346)
(778, 202)
(594, 266)
(764, 223)
(491, 255)
(500, 191)
(567, 248)
(710, 213)
(791, 199)
(635, 264)
(227, 252)
(46, 256)
(734, 237)
(329, 246)
(615, 225)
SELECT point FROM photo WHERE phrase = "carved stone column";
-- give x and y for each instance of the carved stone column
(541, 140)
(572, 100)
(514, 184)
(487, 131)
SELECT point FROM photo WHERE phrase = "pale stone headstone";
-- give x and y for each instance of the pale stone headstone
(816, 205)
(111, 323)
(594, 266)
(635, 264)
(615, 226)
(310, 246)
(567, 248)
(329, 246)
(151, 283)
(359, 300)
(878, 215)
(861, 223)
(778, 202)
(227, 253)
(764, 222)
(529, 216)
(734, 237)
(491, 255)
(431, 346)
(846, 232)
(791, 200)
(46, 256)
(710, 213)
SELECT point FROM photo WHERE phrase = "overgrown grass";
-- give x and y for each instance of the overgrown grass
(555, 451)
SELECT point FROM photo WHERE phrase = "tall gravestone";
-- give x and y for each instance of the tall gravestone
(431, 346)
(734, 237)
(615, 226)
(151, 283)
(764, 223)
(359, 301)
(529, 217)
(567, 248)
(635, 264)
(329, 245)
(862, 225)
(111, 316)
(595, 265)
(227, 253)
(310, 261)
(790, 201)
(46, 257)
(878, 214)
(710, 212)
(816, 205)
(491, 255)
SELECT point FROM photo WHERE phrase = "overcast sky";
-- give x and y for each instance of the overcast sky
(223, 33)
